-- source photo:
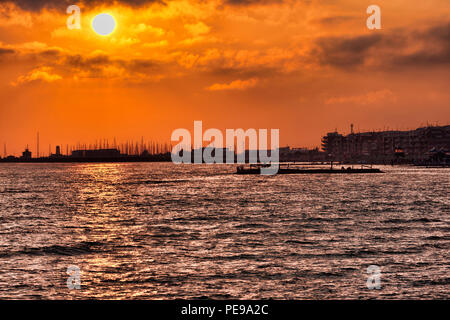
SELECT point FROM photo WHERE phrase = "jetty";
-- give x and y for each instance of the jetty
(298, 169)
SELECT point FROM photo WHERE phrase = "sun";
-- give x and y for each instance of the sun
(104, 24)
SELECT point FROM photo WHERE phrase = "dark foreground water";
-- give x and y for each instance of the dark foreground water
(160, 231)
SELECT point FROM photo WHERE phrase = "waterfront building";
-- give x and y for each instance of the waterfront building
(413, 145)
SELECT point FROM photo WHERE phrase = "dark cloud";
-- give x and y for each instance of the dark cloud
(87, 66)
(251, 2)
(245, 72)
(440, 33)
(95, 66)
(141, 64)
(79, 62)
(387, 50)
(22, 55)
(434, 48)
(422, 58)
(51, 53)
(333, 20)
(37, 5)
(4, 51)
(345, 52)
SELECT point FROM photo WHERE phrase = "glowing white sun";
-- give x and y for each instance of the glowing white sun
(104, 24)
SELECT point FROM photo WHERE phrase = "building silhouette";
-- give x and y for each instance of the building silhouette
(26, 155)
(99, 153)
(413, 145)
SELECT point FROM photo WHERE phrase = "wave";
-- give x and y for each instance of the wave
(69, 250)
(13, 191)
(153, 182)
(397, 220)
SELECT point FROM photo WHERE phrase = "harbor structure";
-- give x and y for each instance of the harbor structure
(98, 153)
(410, 146)
(26, 155)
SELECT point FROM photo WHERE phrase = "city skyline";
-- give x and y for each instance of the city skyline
(46, 149)
(416, 143)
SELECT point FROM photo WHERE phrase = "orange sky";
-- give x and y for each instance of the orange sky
(305, 67)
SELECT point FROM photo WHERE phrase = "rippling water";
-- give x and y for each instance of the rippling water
(160, 231)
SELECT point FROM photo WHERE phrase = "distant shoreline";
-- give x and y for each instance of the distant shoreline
(87, 160)
(165, 158)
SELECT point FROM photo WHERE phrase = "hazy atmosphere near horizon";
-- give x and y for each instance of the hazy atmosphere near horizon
(228, 149)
